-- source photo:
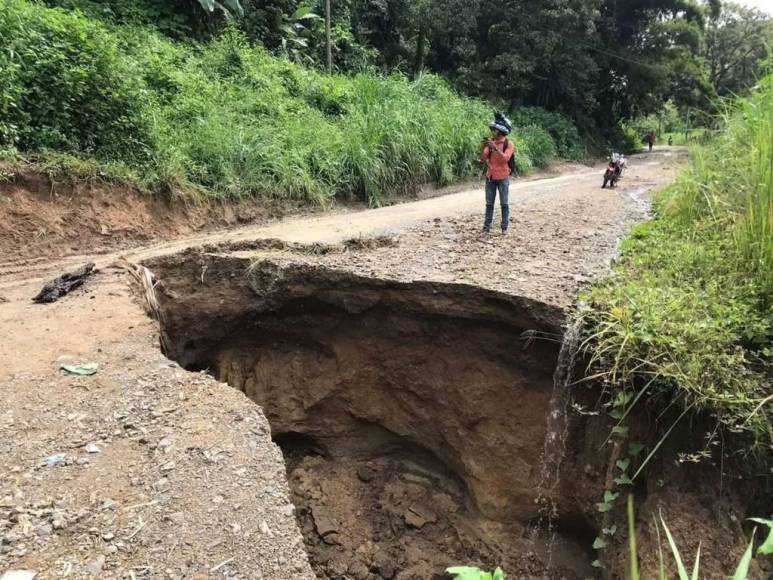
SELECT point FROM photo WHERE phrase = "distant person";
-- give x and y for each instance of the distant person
(650, 139)
(670, 140)
(498, 155)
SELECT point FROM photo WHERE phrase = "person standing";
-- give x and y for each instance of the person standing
(651, 139)
(497, 153)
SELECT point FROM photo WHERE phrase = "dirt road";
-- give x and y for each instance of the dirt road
(146, 470)
(647, 172)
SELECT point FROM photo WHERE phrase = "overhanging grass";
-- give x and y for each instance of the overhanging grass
(686, 314)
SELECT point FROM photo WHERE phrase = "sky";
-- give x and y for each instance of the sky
(766, 5)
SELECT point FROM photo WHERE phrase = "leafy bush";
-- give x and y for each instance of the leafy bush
(627, 139)
(560, 128)
(65, 85)
(168, 16)
(685, 318)
(539, 145)
(175, 18)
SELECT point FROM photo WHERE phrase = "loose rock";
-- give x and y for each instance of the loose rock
(94, 567)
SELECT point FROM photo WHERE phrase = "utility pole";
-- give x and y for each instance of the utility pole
(327, 37)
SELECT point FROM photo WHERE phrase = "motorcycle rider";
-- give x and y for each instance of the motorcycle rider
(614, 171)
(496, 153)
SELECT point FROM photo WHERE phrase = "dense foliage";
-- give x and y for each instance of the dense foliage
(686, 317)
(597, 61)
(65, 85)
(230, 119)
(181, 91)
(738, 40)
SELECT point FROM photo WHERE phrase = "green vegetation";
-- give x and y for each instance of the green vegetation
(686, 319)
(741, 571)
(471, 573)
(596, 61)
(227, 119)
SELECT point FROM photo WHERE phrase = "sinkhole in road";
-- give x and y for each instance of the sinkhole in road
(412, 416)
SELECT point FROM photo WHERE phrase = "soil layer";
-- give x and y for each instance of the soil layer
(419, 409)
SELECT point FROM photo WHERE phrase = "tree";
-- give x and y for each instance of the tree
(421, 17)
(537, 52)
(230, 8)
(328, 46)
(384, 25)
(737, 41)
(650, 52)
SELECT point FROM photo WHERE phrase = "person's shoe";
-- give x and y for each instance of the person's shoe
(485, 232)
(504, 232)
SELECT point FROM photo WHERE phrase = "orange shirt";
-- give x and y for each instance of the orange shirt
(497, 160)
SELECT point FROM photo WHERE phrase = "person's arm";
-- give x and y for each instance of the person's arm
(485, 153)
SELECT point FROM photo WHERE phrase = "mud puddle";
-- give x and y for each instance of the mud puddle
(412, 416)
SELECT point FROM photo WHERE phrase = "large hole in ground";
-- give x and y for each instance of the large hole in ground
(412, 417)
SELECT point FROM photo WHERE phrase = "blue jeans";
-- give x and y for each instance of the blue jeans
(492, 185)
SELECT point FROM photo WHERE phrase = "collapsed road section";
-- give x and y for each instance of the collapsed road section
(412, 416)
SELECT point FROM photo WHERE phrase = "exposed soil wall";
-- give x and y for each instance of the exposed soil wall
(42, 216)
(413, 418)
(325, 353)
(422, 404)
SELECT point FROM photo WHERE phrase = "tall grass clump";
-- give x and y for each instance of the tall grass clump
(686, 318)
(230, 120)
(741, 571)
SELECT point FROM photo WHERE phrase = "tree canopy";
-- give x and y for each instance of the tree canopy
(595, 60)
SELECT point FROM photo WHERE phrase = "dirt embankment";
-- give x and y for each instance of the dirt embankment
(40, 216)
(48, 215)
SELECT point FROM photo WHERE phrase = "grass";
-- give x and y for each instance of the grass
(66, 166)
(679, 138)
(686, 318)
(230, 120)
(741, 571)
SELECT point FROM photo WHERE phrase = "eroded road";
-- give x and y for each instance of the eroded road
(147, 470)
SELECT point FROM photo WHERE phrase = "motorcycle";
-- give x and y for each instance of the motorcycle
(614, 171)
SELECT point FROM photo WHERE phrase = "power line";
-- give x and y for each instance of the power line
(623, 58)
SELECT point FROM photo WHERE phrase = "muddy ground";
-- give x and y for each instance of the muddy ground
(148, 470)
